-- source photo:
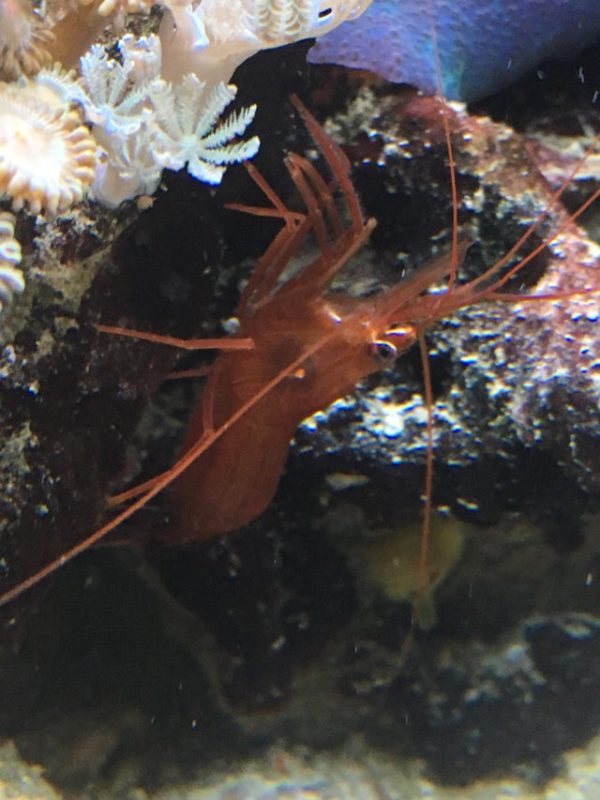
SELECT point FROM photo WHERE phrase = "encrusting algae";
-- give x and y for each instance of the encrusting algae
(393, 561)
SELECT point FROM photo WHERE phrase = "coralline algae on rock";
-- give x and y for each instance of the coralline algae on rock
(484, 44)
(536, 363)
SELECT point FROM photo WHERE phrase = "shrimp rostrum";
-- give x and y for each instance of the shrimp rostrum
(299, 348)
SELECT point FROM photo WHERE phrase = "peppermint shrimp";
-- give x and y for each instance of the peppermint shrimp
(301, 347)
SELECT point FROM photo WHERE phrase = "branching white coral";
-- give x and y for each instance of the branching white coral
(186, 116)
(11, 278)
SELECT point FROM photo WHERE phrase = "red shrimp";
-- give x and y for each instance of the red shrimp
(299, 349)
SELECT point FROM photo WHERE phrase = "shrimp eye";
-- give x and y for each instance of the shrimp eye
(384, 353)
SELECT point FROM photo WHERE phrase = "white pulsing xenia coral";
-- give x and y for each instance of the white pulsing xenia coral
(129, 169)
(187, 130)
(141, 57)
(117, 103)
(112, 99)
(145, 124)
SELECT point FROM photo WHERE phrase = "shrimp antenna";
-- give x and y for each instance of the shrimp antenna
(456, 256)
(439, 80)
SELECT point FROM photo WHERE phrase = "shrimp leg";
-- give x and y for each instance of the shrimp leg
(231, 343)
(207, 408)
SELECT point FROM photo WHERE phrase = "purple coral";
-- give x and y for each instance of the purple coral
(484, 44)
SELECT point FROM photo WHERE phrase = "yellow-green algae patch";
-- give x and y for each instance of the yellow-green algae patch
(392, 561)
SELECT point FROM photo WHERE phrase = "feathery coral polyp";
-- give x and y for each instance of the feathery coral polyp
(188, 133)
(47, 156)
